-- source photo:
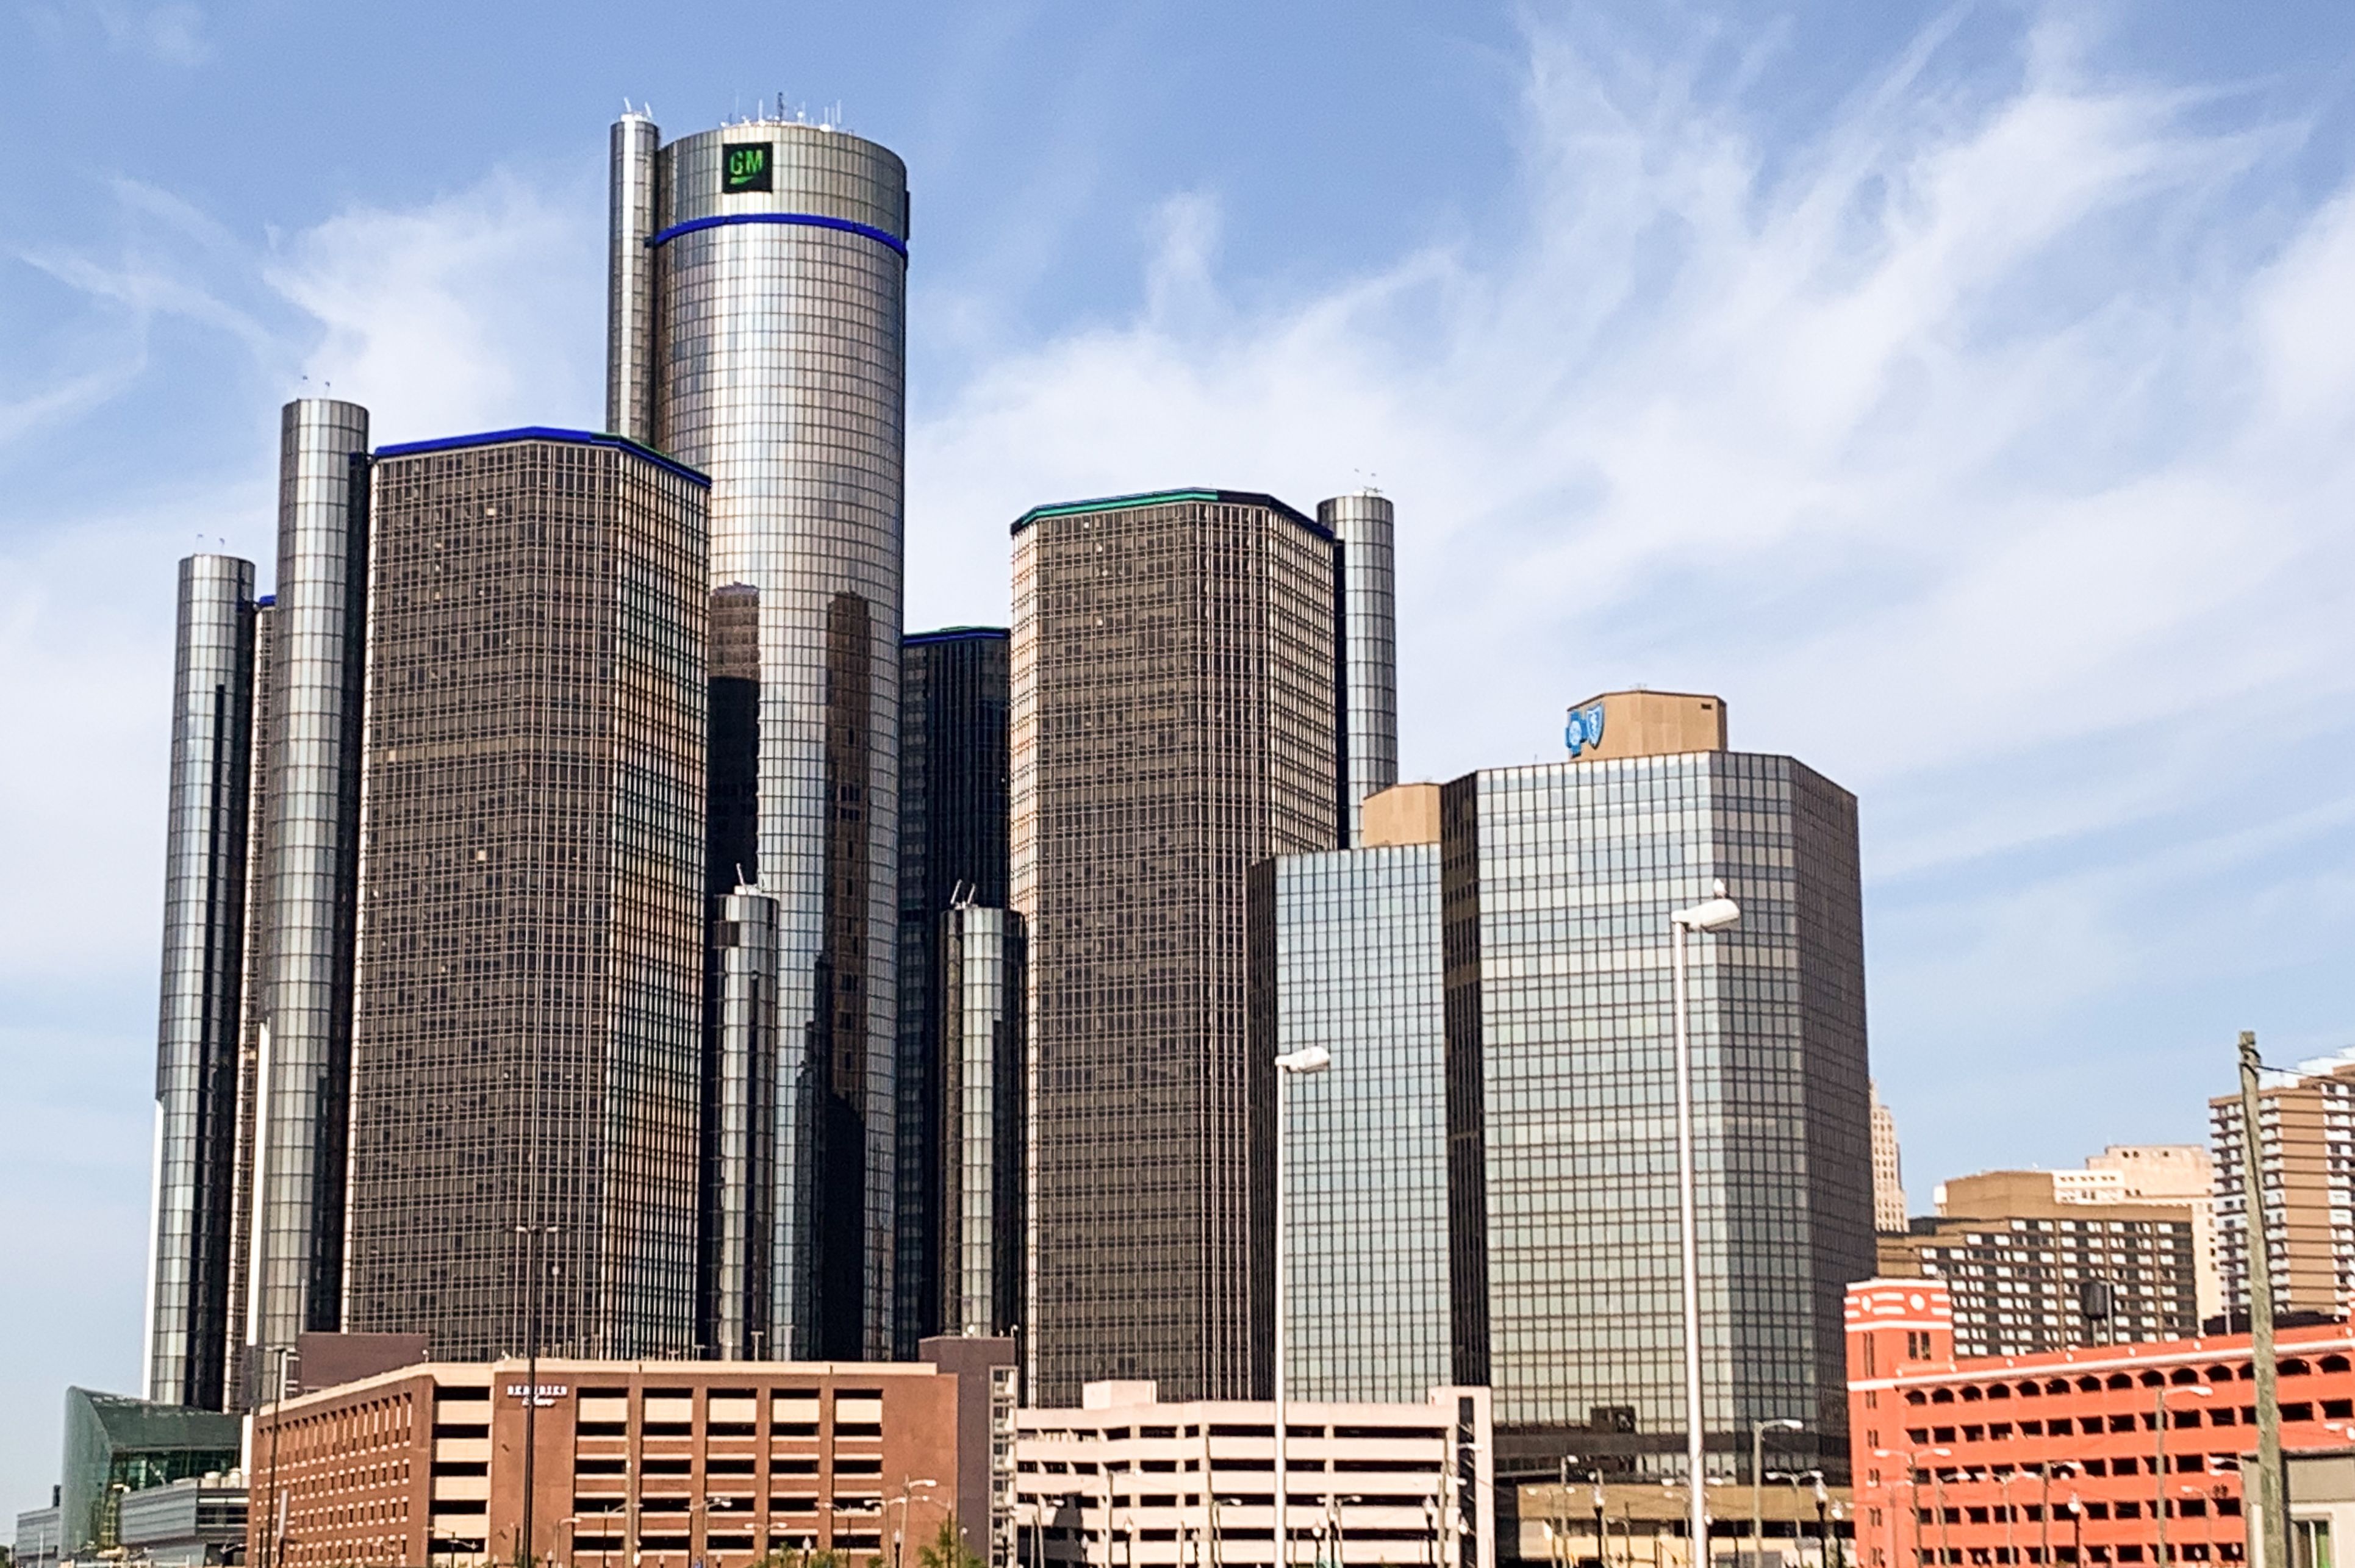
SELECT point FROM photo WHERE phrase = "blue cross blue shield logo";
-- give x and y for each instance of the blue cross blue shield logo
(1585, 729)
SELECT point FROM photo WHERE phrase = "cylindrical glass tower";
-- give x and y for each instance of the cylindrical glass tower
(740, 1077)
(776, 303)
(204, 935)
(1364, 524)
(321, 610)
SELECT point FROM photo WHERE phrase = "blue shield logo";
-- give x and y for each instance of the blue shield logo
(1585, 729)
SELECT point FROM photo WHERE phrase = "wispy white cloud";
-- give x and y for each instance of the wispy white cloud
(1988, 450)
(173, 33)
(483, 309)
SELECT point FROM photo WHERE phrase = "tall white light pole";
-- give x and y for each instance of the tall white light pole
(1716, 913)
(1294, 1064)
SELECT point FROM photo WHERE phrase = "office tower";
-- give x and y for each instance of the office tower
(953, 808)
(2305, 1152)
(528, 1032)
(1346, 954)
(204, 962)
(1888, 1171)
(2029, 1266)
(1363, 525)
(1173, 721)
(979, 1210)
(756, 331)
(1539, 896)
(1557, 881)
(307, 880)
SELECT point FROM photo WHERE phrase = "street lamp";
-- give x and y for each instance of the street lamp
(2158, 1406)
(1715, 913)
(908, 1490)
(1823, 1499)
(1302, 1063)
(1758, 1430)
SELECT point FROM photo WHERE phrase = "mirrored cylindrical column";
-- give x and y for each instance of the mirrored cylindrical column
(1363, 524)
(204, 931)
(311, 879)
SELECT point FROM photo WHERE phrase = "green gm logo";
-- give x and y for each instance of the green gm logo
(748, 165)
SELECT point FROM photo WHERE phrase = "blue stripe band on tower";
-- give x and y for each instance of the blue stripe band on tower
(806, 219)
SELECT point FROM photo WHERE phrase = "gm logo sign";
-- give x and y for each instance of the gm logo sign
(1584, 730)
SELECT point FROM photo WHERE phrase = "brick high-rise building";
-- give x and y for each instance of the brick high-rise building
(1176, 719)
(2030, 1270)
(2306, 1156)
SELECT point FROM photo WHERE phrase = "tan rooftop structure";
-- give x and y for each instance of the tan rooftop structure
(1644, 724)
(1402, 813)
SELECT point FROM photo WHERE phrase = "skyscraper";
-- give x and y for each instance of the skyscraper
(756, 331)
(196, 1063)
(1499, 949)
(1888, 1171)
(1175, 720)
(1363, 525)
(526, 1034)
(304, 875)
(953, 806)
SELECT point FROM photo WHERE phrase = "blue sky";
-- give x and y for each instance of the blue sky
(1966, 393)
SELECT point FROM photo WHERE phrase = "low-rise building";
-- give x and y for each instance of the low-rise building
(198, 1522)
(1597, 1522)
(636, 1464)
(36, 1536)
(1129, 1480)
(2106, 1454)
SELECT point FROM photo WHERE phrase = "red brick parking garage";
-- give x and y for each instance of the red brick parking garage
(2066, 1457)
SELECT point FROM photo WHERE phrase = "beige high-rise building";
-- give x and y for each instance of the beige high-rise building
(1888, 1171)
(2025, 1265)
(2307, 1154)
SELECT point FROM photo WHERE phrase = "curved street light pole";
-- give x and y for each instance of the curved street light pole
(1301, 1064)
(1716, 913)
(1758, 1430)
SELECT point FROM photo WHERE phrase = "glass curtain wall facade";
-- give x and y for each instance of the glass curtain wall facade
(1175, 717)
(757, 328)
(735, 1235)
(196, 1066)
(952, 813)
(528, 1033)
(1364, 526)
(980, 1209)
(1344, 953)
(309, 881)
(239, 1382)
(1557, 882)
